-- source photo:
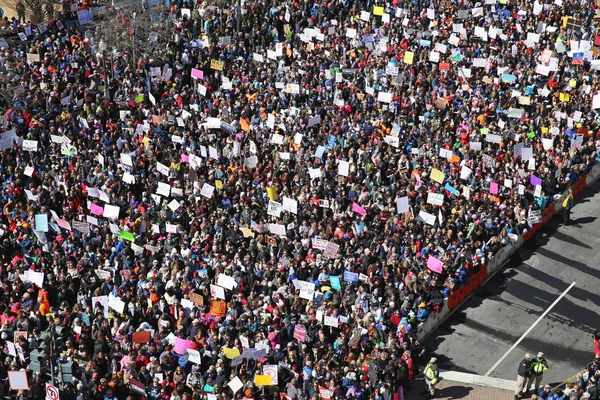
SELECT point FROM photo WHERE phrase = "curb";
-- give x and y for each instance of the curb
(458, 297)
(478, 380)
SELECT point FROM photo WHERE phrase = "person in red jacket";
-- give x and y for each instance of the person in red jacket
(407, 356)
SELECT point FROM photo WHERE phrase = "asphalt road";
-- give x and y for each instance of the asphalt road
(495, 317)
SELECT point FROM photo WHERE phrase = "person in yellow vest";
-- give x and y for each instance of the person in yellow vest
(432, 375)
(538, 366)
(567, 205)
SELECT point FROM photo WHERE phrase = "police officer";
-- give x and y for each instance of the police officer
(538, 367)
(432, 375)
(523, 373)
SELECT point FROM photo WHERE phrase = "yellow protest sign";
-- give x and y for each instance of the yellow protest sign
(437, 175)
(263, 380)
(573, 83)
(218, 184)
(231, 353)
(544, 129)
(564, 97)
(272, 192)
(408, 57)
(378, 11)
(216, 65)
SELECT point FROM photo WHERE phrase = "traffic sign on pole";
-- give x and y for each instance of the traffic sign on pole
(52, 392)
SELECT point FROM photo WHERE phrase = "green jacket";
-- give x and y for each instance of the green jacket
(432, 373)
(539, 366)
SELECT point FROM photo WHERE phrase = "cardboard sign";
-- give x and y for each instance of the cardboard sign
(196, 298)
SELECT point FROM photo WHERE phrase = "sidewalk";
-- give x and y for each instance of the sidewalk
(465, 386)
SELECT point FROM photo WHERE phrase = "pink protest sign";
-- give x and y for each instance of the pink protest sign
(198, 74)
(493, 188)
(182, 344)
(185, 158)
(96, 210)
(299, 333)
(358, 209)
(434, 264)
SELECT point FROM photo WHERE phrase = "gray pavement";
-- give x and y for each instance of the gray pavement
(494, 318)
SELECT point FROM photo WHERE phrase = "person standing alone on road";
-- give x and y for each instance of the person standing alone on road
(538, 367)
(432, 375)
(567, 205)
(523, 374)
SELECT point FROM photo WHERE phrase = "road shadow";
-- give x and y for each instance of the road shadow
(582, 221)
(551, 230)
(451, 391)
(454, 392)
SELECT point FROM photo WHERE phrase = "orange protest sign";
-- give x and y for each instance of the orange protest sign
(583, 131)
(218, 308)
(244, 124)
(140, 337)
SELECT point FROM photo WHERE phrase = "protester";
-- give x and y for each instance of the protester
(567, 205)
(279, 207)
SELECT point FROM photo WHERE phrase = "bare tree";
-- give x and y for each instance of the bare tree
(129, 31)
(34, 9)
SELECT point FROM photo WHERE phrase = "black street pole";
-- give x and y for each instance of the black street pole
(239, 17)
(52, 353)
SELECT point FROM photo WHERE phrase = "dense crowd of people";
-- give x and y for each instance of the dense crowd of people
(280, 194)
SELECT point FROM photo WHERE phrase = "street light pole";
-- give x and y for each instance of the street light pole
(239, 17)
(102, 48)
(320, 13)
(52, 353)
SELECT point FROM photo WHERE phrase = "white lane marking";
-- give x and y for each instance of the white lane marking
(530, 329)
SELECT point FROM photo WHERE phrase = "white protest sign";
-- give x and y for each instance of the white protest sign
(116, 304)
